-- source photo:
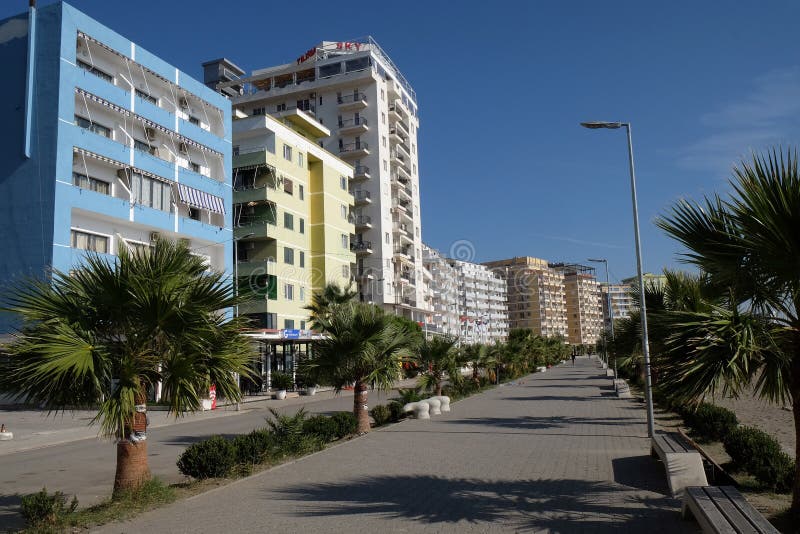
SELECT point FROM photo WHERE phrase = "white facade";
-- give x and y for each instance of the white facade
(355, 90)
(621, 302)
(483, 302)
(442, 294)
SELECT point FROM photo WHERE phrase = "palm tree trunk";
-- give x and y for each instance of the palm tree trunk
(360, 409)
(439, 388)
(132, 467)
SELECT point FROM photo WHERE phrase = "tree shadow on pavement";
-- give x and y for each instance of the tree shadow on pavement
(516, 505)
(10, 516)
(545, 422)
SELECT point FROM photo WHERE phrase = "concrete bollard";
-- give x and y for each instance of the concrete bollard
(435, 405)
(445, 400)
(420, 409)
(5, 435)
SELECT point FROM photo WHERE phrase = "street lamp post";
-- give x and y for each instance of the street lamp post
(643, 310)
(610, 315)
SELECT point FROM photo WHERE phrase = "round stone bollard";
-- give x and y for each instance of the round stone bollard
(435, 404)
(445, 400)
(420, 409)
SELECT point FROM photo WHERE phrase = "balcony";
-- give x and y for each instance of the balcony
(361, 247)
(244, 194)
(402, 150)
(255, 267)
(352, 102)
(363, 222)
(401, 178)
(399, 160)
(403, 190)
(356, 125)
(358, 149)
(361, 172)
(362, 196)
(395, 112)
(256, 230)
(395, 136)
(402, 129)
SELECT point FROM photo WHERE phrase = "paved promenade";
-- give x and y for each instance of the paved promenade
(554, 453)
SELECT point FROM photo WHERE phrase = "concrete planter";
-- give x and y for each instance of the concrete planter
(5, 436)
(311, 390)
(280, 394)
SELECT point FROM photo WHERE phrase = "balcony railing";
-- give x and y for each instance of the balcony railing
(360, 170)
(363, 220)
(353, 147)
(361, 195)
(349, 99)
(356, 121)
(361, 245)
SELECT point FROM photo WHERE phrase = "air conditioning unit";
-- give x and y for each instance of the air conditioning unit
(183, 102)
(183, 148)
(154, 236)
(150, 133)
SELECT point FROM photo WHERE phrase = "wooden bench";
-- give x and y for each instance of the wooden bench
(723, 509)
(683, 463)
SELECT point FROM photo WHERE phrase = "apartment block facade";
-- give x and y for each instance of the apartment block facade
(443, 293)
(482, 297)
(619, 297)
(292, 218)
(354, 89)
(584, 304)
(107, 146)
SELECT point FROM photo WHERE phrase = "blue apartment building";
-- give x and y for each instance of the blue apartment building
(105, 146)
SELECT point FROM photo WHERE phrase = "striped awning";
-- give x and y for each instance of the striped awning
(201, 199)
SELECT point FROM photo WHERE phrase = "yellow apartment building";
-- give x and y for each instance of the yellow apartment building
(293, 230)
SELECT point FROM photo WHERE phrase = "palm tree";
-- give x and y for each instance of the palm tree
(748, 247)
(101, 336)
(437, 358)
(331, 295)
(478, 357)
(363, 346)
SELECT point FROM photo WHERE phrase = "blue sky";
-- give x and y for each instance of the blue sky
(502, 87)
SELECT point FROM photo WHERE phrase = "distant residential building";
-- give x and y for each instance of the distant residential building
(442, 293)
(584, 306)
(482, 297)
(536, 295)
(621, 302)
(649, 278)
(106, 146)
(357, 91)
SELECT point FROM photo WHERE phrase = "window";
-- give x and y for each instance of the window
(356, 64)
(92, 126)
(330, 70)
(345, 241)
(194, 166)
(287, 152)
(343, 211)
(87, 241)
(152, 193)
(260, 111)
(288, 291)
(414, 168)
(302, 227)
(144, 96)
(383, 141)
(194, 120)
(281, 107)
(388, 238)
(302, 259)
(301, 160)
(94, 70)
(383, 117)
(302, 294)
(288, 221)
(288, 324)
(288, 256)
(343, 182)
(320, 101)
(301, 192)
(235, 150)
(288, 186)
(382, 96)
(303, 323)
(92, 184)
(385, 166)
(144, 147)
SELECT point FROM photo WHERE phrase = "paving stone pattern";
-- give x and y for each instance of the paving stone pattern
(555, 452)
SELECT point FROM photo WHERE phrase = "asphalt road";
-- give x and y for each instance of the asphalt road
(86, 467)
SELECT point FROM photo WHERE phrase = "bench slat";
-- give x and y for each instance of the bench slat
(707, 514)
(735, 517)
(754, 516)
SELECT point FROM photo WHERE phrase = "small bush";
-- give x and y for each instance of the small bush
(761, 455)
(322, 426)
(346, 424)
(253, 448)
(42, 508)
(382, 414)
(396, 411)
(282, 381)
(409, 395)
(711, 422)
(210, 458)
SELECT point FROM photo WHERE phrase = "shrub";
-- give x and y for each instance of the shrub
(381, 414)
(253, 448)
(322, 426)
(282, 381)
(409, 395)
(210, 458)
(761, 455)
(43, 508)
(346, 424)
(711, 422)
(396, 411)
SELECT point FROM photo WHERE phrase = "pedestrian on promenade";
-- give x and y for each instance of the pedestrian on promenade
(573, 358)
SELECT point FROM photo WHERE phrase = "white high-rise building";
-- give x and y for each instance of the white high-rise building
(443, 294)
(483, 303)
(355, 90)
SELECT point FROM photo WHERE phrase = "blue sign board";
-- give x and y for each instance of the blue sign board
(291, 334)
